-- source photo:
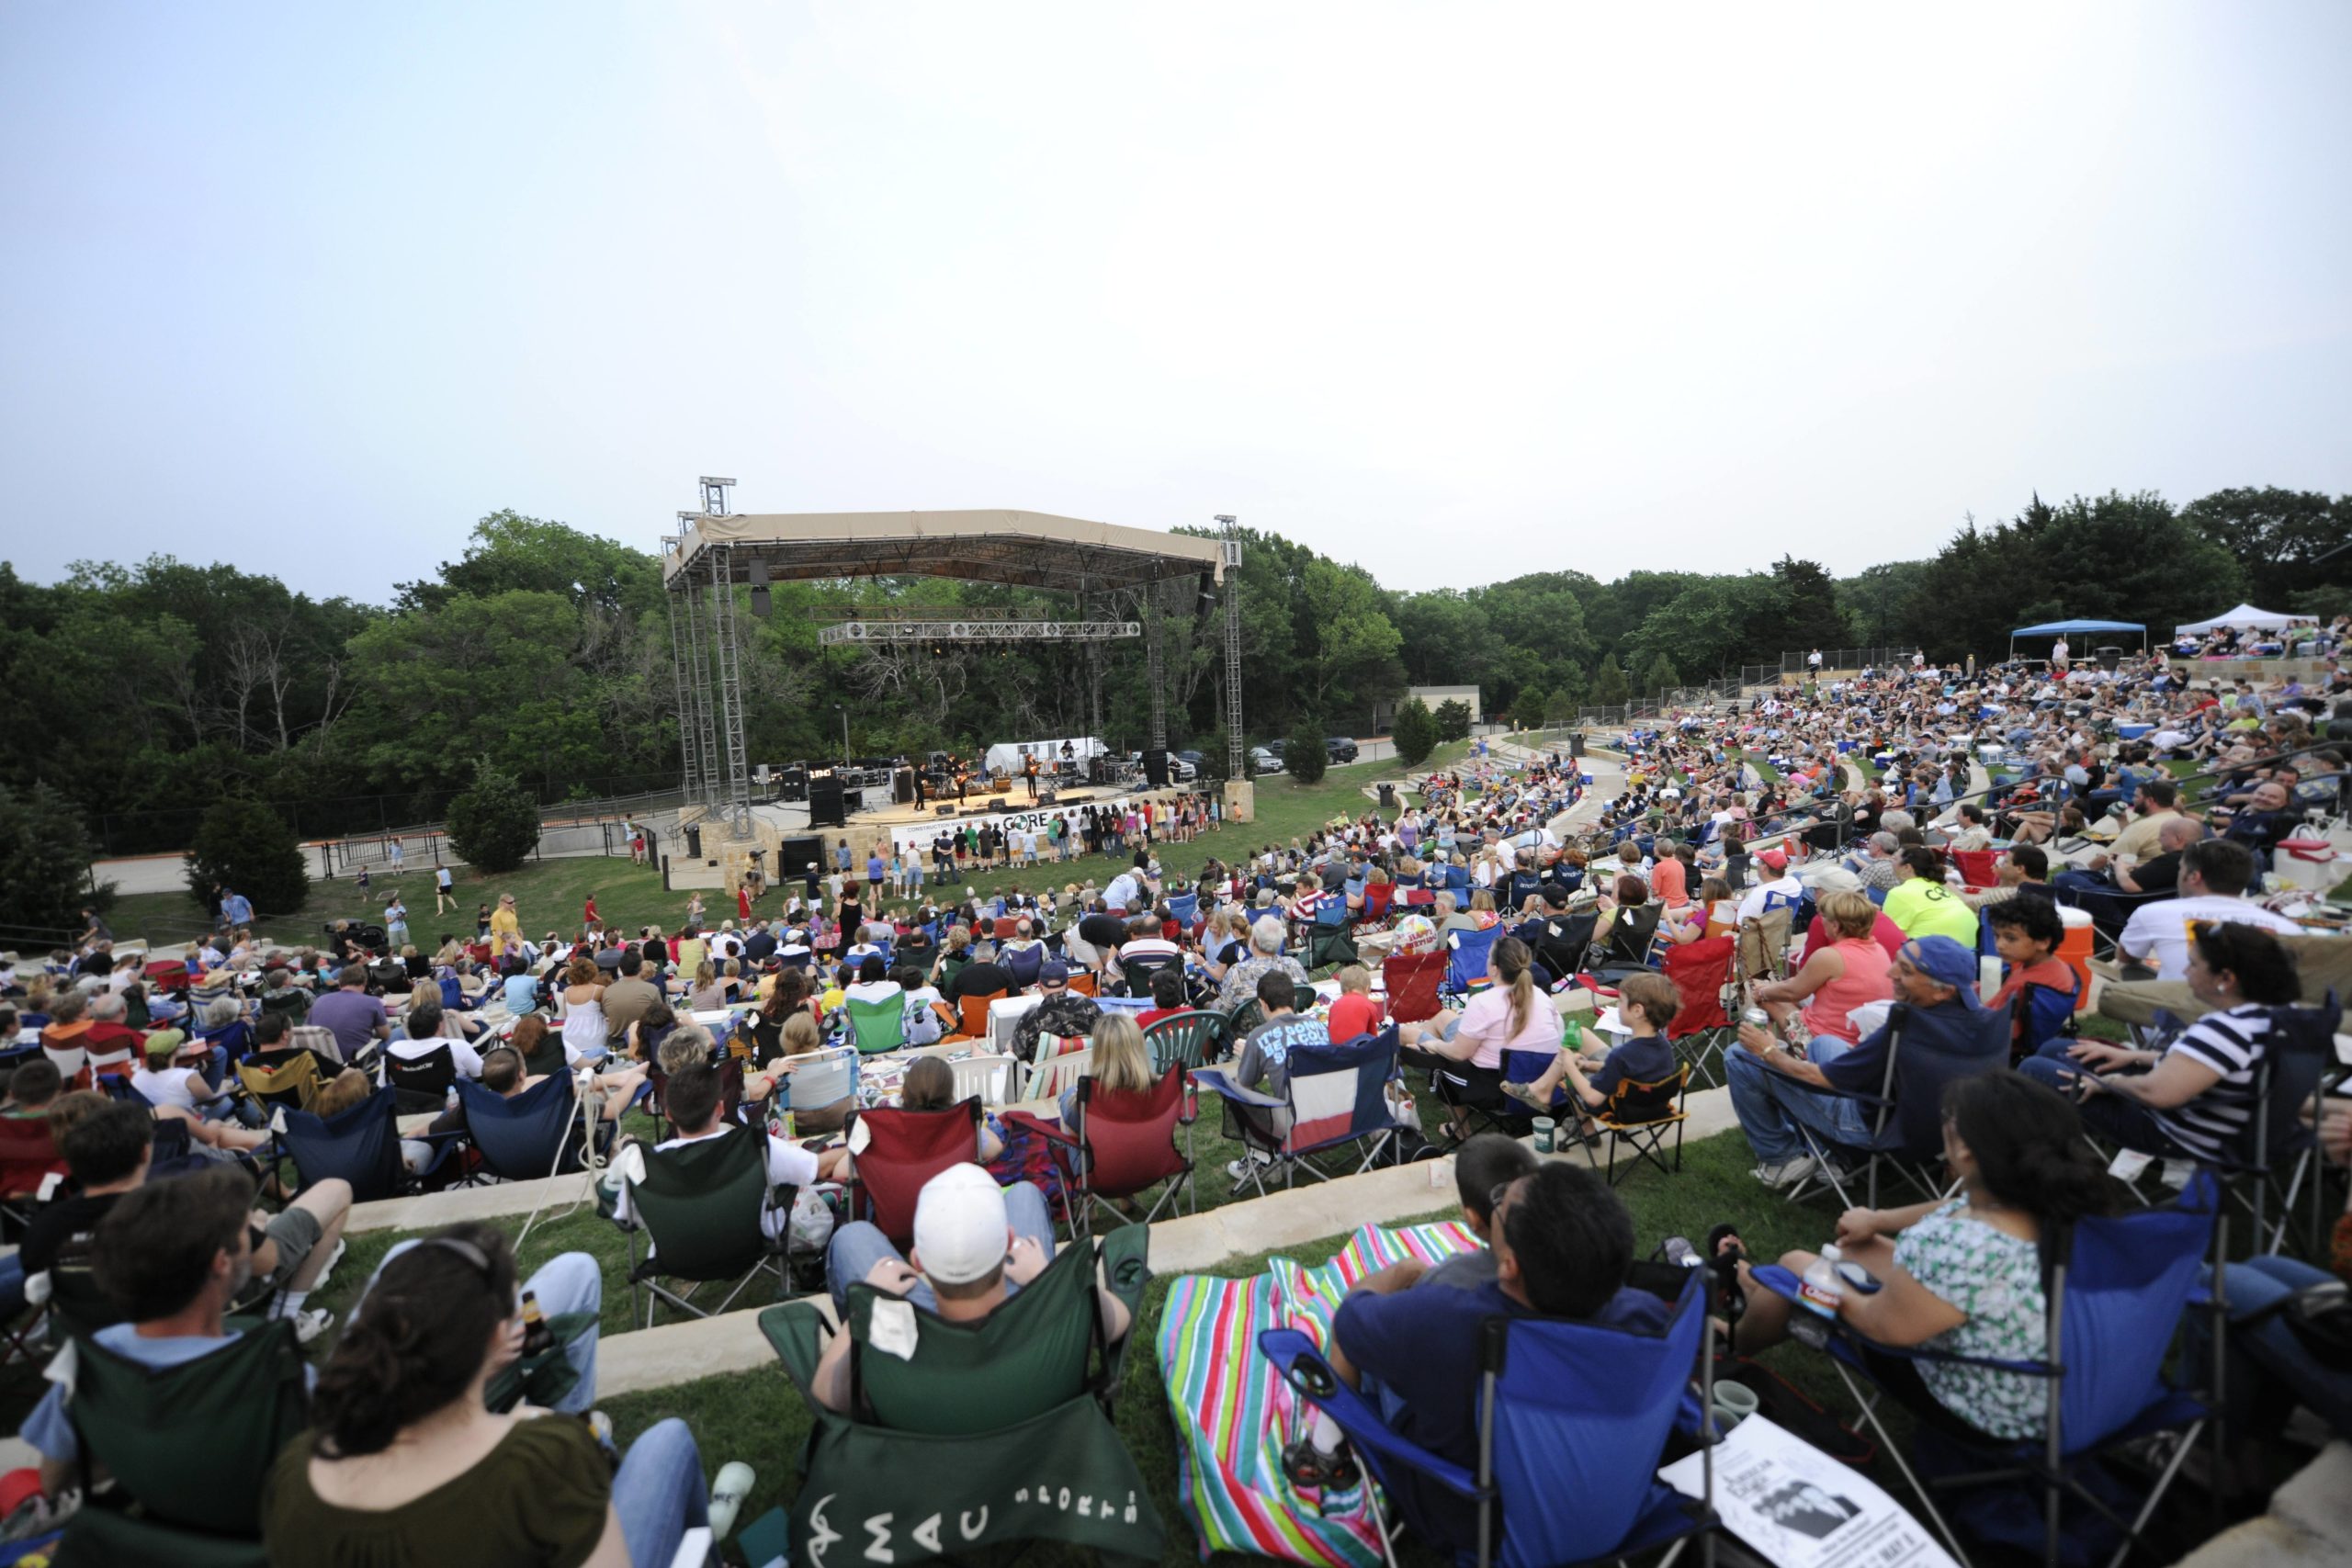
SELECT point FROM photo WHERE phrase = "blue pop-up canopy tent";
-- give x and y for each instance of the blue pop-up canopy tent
(2069, 628)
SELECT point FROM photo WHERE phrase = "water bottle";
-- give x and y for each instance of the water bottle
(1821, 1288)
(1679, 1252)
(1571, 1036)
(784, 1120)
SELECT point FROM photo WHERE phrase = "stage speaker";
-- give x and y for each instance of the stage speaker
(827, 808)
(1155, 767)
(794, 856)
(903, 786)
(1044, 797)
(943, 811)
(853, 801)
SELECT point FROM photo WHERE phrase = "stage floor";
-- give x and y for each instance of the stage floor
(792, 817)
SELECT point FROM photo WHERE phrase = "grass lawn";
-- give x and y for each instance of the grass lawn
(550, 894)
(1763, 766)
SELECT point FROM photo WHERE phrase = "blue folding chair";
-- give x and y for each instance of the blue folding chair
(1185, 908)
(2044, 1018)
(524, 1138)
(1337, 1096)
(1906, 1113)
(1556, 1398)
(361, 1145)
(1465, 965)
(1024, 964)
(2116, 1289)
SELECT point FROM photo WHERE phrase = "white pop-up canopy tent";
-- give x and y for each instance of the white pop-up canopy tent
(1009, 756)
(2245, 617)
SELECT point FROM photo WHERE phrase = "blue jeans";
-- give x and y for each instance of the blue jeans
(1770, 1105)
(2107, 1116)
(857, 1247)
(2269, 1372)
(658, 1493)
(570, 1281)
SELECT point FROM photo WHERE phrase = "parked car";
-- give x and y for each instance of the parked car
(1193, 760)
(1263, 760)
(1342, 749)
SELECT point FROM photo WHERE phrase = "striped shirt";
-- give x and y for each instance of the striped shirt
(2234, 1044)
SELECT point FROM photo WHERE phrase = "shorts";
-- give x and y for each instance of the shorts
(297, 1233)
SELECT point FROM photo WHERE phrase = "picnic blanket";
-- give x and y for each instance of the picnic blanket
(1233, 1414)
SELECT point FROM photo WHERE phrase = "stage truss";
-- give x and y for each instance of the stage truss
(715, 552)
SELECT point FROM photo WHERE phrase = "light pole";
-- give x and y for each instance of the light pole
(844, 713)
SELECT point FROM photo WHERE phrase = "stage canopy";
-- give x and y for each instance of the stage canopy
(2245, 617)
(1030, 549)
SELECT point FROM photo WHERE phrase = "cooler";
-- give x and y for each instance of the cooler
(2074, 951)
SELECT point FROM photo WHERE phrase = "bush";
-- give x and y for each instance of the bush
(1414, 732)
(1304, 757)
(1452, 717)
(45, 854)
(1527, 712)
(249, 849)
(494, 824)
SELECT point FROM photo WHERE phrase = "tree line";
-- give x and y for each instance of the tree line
(141, 694)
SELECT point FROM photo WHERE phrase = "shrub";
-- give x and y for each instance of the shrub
(1414, 732)
(249, 849)
(494, 824)
(1452, 717)
(45, 854)
(1304, 757)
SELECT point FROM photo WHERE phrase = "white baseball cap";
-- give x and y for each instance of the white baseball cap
(960, 1226)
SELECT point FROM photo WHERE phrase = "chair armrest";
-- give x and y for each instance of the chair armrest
(1299, 1364)
(1217, 1079)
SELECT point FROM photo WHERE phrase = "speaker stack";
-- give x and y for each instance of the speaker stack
(826, 805)
(1155, 767)
(902, 786)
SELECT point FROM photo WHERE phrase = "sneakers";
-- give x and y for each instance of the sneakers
(1241, 1169)
(729, 1489)
(1788, 1173)
(311, 1323)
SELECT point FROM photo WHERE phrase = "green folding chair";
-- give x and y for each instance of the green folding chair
(1329, 946)
(700, 1209)
(237, 1406)
(1183, 1040)
(1007, 1420)
(877, 1026)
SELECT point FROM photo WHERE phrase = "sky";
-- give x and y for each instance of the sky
(1452, 292)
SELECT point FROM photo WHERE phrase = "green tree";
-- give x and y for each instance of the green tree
(1527, 710)
(45, 855)
(2277, 537)
(1452, 717)
(1351, 643)
(1304, 757)
(1661, 676)
(247, 847)
(1414, 732)
(1607, 682)
(494, 824)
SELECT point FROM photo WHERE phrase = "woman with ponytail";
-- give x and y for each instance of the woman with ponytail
(1965, 1276)
(405, 1462)
(1511, 1015)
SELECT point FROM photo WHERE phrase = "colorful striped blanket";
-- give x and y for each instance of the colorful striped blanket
(1233, 1415)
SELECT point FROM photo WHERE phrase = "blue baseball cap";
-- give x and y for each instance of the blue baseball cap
(1945, 962)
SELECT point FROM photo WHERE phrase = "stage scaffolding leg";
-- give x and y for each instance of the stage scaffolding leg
(690, 771)
(1153, 671)
(734, 793)
(697, 716)
(1234, 743)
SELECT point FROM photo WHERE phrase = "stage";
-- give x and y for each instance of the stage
(914, 827)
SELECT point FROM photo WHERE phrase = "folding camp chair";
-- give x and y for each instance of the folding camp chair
(549, 1057)
(1136, 974)
(992, 1080)
(237, 1407)
(878, 1025)
(903, 1149)
(1185, 908)
(29, 1157)
(1764, 944)
(1639, 1115)
(1701, 970)
(1336, 1096)
(360, 1144)
(1329, 946)
(983, 1412)
(291, 1081)
(1906, 1113)
(72, 1061)
(820, 1079)
(1183, 1039)
(1465, 966)
(1631, 939)
(974, 1012)
(1123, 1144)
(1411, 981)
(1978, 868)
(1379, 898)
(702, 1208)
(1025, 965)
(2116, 1290)
(1555, 1398)
(2274, 1154)
(524, 1138)
(2039, 1014)
(422, 1083)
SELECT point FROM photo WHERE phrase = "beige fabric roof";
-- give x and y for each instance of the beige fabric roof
(1027, 548)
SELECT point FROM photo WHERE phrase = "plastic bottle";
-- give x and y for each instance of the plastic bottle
(1821, 1288)
(1571, 1036)
(784, 1120)
(537, 1334)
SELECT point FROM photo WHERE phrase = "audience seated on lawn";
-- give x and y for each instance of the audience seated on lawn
(1646, 1003)
(1120, 1063)
(1511, 1014)
(1964, 1275)
(693, 1101)
(2196, 1095)
(1562, 1243)
(1060, 1012)
(1922, 904)
(1266, 955)
(399, 1416)
(1848, 971)
(1483, 1167)
(975, 1244)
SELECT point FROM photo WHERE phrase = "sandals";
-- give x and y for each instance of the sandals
(1309, 1470)
(1525, 1094)
(1721, 1234)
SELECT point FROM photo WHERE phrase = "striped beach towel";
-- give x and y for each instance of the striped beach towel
(1233, 1414)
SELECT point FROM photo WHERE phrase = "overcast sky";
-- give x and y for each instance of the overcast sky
(1457, 292)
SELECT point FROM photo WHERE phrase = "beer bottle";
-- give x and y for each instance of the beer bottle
(537, 1336)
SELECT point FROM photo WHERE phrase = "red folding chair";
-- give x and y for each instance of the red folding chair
(1978, 868)
(1700, 971)
(1377, 897)
(904, 1149)
(1411, 980)
(29, 1157)
(1126, 1143)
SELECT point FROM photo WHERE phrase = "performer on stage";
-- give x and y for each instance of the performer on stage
(1029, 771)
(962, 783)
(919, 771)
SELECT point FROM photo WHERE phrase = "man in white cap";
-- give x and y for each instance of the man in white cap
(975, 1244)
(1778, 888)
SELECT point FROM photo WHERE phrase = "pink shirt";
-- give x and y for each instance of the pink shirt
(1867, 978)
(1488, 1021)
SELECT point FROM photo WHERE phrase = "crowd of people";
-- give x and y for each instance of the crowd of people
(1895, 832)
